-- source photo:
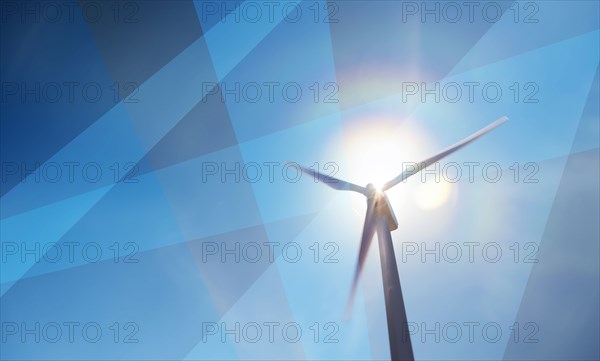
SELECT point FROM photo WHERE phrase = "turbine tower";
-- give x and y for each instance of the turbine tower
(380, 219)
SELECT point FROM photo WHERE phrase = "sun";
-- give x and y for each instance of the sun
(377, 150)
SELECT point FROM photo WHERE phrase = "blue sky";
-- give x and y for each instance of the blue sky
(548, 76)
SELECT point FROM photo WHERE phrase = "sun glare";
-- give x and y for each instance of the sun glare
(376, 151)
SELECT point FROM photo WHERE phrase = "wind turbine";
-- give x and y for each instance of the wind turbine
(380, 218)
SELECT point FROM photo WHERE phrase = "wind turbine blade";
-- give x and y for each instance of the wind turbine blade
(429, 161)
(334, 182)
(365, 242)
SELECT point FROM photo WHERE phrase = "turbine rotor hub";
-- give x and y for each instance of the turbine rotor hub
(371, 190)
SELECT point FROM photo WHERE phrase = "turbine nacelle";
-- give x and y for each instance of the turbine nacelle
(381, 205)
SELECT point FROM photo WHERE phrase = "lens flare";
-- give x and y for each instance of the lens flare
(432, 194)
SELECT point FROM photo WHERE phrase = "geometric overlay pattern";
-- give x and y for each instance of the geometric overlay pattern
(146, 211)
